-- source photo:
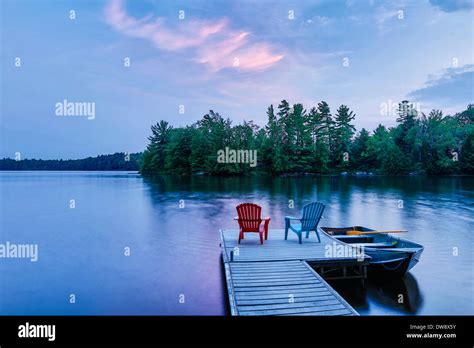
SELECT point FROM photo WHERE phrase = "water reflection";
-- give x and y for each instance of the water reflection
(413, 203)
(399, 293)
(396, 295)
(176, 250)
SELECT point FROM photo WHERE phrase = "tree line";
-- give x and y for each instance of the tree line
(296, 140)
(116, 161)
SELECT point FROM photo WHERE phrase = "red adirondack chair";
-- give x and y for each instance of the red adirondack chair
(250, 221)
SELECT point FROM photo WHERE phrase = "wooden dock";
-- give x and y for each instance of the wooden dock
(275, 279)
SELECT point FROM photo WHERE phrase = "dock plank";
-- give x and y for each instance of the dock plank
(295, 311)
(276, 301)
(275, 279)
(274, 306)
(343, 312)
(281, 294)
(280, 288)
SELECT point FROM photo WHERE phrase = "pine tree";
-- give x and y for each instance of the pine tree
(154, 157)
(342, 135)
(273, 144)
(285, 122)
(302, 139)
(359, 151)
(326, 134)
(406, 114)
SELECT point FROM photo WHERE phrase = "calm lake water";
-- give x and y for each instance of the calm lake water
(175, 250)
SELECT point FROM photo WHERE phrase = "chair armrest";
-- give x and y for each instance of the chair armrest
(236, 218)
(291, 218)
(267, 218)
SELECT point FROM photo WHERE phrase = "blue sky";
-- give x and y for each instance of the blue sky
(235, 57)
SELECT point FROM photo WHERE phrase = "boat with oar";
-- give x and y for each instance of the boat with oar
(388, 252)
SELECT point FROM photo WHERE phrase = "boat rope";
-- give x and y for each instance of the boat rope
(394, 268)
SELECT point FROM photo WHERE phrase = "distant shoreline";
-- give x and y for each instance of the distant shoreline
(114, 162)
(261, 175)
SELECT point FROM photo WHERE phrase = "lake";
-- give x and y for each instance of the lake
(116, 243)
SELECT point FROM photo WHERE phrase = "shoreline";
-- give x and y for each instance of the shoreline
(285, 175)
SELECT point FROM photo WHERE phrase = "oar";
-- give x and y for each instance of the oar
(350, 233)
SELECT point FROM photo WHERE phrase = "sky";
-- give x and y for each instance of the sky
(142, 61)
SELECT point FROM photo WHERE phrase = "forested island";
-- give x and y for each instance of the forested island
(116, 161)
(294, 141)
(314, 141)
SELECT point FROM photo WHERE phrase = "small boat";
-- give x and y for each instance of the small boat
(388, 253)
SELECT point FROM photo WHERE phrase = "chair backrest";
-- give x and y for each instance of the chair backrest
(312, 213)
(249, 216)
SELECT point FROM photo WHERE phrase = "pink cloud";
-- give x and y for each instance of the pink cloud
(212, 43)
(236, 52)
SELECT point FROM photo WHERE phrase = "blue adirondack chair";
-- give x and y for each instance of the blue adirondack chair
(312, 213)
